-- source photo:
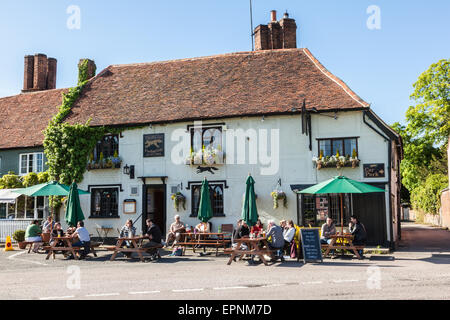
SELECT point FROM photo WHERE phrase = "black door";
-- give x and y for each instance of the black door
(154, 206)
(370, 208)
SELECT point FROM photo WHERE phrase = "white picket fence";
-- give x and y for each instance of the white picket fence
(8, 227)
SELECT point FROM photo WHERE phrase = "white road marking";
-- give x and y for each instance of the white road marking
(143, 292)
(272, 285)
(341, 281)
(187, 290)
(54, 298)
(30, 261)
(103, 294)
(313, 282)
(230, 288)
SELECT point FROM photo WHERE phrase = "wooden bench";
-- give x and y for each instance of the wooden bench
(136, 247)
(204, 244)
(26, 243)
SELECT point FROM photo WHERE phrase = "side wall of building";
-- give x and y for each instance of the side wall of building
(10, 159)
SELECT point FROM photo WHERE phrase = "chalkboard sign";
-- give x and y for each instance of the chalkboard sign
(311, 244)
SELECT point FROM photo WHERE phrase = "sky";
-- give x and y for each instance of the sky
(379, 63)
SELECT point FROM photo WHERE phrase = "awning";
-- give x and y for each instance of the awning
(8, 196)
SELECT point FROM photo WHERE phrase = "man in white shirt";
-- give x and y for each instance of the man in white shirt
(84, 239)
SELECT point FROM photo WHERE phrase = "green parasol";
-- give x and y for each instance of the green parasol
(204, 209)
(249, 210)
(73, 210)
(341, 185)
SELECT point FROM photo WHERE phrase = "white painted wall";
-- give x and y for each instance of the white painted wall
(296, 167)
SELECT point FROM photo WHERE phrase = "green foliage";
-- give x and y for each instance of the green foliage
(430, 117)
(424, 168)
(83, 72)
(30, 179)
(19, 235)
(10, 181)
(43, 177)
(426, 196)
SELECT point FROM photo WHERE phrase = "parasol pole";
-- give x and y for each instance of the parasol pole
(342, 215)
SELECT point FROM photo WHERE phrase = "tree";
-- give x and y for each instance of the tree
(424, 168)
(430, 117)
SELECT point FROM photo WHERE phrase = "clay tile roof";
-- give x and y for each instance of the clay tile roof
(229, 85)
(23, 117)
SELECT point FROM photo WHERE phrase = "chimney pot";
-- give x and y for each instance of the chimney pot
(51, 76)
(273, 15)
(28, 72)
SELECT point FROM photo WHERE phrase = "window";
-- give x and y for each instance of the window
(104, 202)
(216, 193)
(31, 162)
(107, 146)
(208, 139)
(316, 208)
(345, 146)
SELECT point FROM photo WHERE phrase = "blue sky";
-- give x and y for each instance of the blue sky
(379, 65)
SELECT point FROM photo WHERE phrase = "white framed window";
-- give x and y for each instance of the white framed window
(31, 162)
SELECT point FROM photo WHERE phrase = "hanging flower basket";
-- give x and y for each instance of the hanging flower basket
(206, 156)
(178, 200)
(278, 195)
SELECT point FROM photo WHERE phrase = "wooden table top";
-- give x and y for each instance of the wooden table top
(133, 238)
(248, 239)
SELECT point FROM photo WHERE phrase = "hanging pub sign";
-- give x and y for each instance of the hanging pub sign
(129, 206)
(311, 245)
(154, 145)
(374, 170)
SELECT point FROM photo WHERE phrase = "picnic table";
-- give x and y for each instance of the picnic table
(52, 248)
(255, 246)
(343, 242)
(204, 239)
(136, 246)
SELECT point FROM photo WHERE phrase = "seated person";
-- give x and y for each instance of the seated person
(288, 235)
(57, 232)
(242, 231)
(154, 235)
(48, 225)
(257, 228)
(359, 233)
(84, 240)
(238, 224)
(275, 234)
(175, 230)
(127, 231)
(202, 227)
(33, 234)
(328, 229)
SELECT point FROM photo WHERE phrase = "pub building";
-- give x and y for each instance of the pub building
(275, 112)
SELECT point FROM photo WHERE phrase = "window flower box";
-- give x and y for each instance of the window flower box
(109, 163)
(335, 162)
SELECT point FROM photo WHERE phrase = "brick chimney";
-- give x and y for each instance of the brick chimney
(91, 68)
(39, 73)
(277, 34)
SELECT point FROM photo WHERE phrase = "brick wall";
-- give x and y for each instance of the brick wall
(445, 208)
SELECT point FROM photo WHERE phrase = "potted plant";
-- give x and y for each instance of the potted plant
(278, 195)
(116, 161)
(178, 199)
(19, 237)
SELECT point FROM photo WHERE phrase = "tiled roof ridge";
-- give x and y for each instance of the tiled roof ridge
(22, 94)
(334, 78)
(230, 54)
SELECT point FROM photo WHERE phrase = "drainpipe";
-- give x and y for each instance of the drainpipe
(391, 230)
